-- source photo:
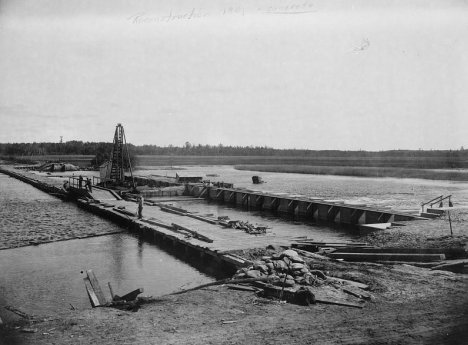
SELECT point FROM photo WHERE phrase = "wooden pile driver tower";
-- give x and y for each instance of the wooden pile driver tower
(115, 168)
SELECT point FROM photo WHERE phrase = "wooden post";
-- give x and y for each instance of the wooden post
(286, 275)
(450, 222)
(111, 291)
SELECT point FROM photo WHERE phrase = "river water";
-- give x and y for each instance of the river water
(41, 279)
(399, 194)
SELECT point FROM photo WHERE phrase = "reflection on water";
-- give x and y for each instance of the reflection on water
(48, 277)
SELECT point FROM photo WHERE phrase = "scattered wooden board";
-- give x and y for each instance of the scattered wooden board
(92, 296)
(349, 282)
(97, 289)
(193, 232)
(386, 257)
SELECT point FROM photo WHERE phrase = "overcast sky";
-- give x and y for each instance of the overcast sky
(371, 75)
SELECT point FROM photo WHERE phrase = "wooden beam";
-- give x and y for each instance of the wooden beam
(290, 203)
(131, 296)
(272, 202)
(349, 282)
(18, 312)
(193, 232)
(204, 219)
(328, 300)
(387, 257)
(92, 296)
(170, 210)
(310, 205)
(97, 289)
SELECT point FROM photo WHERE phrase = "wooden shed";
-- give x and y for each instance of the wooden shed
(189, 177)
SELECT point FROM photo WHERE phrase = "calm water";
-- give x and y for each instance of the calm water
(41, 279)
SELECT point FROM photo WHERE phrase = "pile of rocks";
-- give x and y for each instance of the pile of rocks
(286, 268)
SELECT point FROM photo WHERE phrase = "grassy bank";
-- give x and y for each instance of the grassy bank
(360, 171)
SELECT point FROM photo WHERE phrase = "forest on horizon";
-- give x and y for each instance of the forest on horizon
(188, 149)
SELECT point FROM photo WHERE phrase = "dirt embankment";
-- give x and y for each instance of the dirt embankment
(437, 233)
(410, 306)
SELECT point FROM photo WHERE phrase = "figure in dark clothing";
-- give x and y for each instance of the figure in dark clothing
(80, 182)
(88, 185)
(65, 185)
(140, 207)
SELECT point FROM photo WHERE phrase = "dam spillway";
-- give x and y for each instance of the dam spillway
(298, 205)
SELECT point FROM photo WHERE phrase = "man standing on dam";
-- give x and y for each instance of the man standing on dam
(140, 207)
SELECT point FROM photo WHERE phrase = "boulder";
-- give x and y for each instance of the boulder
(274, 278)
(289, 253)
(297, 259)
(276, 257)
(254, 274)
(319, 274)
(297, 266)
(297, 273)
(309, 279)
(262, 268)
(289, 283)
(299, 280)
(281, 266)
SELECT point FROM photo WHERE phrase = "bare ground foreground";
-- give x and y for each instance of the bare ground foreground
(411, 305)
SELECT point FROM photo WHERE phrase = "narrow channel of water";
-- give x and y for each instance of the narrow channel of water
(42, 279)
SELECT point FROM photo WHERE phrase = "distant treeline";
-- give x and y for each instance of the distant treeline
(95, 148)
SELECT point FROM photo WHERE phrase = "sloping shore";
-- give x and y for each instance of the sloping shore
(411, 306)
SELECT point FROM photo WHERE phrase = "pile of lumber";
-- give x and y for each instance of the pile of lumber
(96, 296)
(354, 251)
(246, 226)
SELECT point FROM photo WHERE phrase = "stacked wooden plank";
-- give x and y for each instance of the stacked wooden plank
(95, 294)
(354, 251)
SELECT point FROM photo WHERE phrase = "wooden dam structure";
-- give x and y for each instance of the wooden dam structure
(298, 205)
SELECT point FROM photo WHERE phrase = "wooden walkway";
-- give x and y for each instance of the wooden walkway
(224, 239)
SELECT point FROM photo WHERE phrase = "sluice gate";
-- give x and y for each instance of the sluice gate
(308, 207)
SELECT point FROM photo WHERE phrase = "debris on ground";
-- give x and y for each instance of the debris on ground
(294, 280)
